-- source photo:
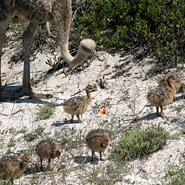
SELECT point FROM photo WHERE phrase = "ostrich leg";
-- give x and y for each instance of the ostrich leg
(3, 27)
(27, 41)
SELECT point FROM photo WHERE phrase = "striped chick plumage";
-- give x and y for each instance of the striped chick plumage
(97, 140)
(11, 166)
(164, 93)
(47, 149)
(79, 104)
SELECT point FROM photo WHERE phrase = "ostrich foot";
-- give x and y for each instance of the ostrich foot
(40, 96)
(162, 115)
(34, 95)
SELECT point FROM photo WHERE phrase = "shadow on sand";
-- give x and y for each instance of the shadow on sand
(12, 92)
(86, 159)
(150, 116)
(36, 169)
(66, 122)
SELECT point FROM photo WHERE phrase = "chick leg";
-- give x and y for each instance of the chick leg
(157, 110)
(78, 116)
(11, 181)
(92, 159)
(49, 161)
(41, 167)
(72, 118)
(162, 114)
(101, 156)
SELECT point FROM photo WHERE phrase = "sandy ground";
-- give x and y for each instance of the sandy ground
(124, 97)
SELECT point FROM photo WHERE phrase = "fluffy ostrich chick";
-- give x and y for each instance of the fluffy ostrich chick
(12, 167)
(79, 104)
(164, 93)
(97, 140)
(47, 149)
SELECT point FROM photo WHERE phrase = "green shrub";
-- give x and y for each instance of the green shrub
(32, 136)
(178, 177)
(140, 143)
(45, 111)
(157, 25)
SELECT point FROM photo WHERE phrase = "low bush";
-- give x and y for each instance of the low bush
(156, 25)
(140, 143)
(177, 177)
(45, 111)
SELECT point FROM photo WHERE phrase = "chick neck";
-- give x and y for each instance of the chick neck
(89, 96)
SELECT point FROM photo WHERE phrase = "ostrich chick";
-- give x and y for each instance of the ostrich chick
(97, 140)
(47, 149)
(79, 104)
(12, 167)
(164, 93)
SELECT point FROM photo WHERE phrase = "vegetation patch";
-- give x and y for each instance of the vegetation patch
(178, 109)
(22, 131)
(35, 81)
(109, 175)
(140, 143)
(156, 25)
(177, 176)
(32, 136)
(11, 145)
(45, 111)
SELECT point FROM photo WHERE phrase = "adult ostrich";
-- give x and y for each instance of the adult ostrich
(58, 12)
